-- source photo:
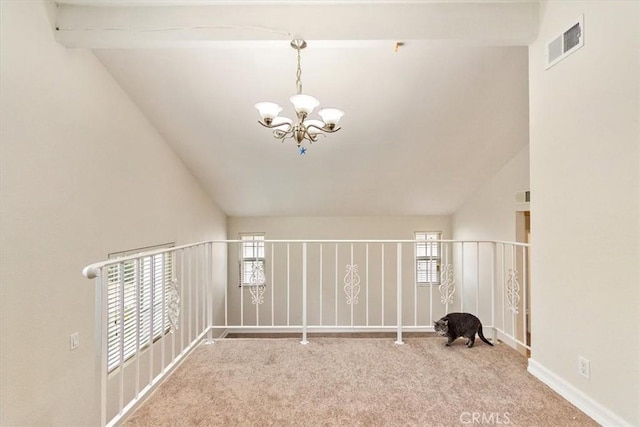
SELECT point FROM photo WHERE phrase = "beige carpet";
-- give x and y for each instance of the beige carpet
(354, 381)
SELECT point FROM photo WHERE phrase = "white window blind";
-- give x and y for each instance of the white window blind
(251, 258)
(145, 281)
(428, 258)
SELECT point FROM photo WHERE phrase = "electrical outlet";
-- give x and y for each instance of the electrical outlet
(583, 367)
(74, 340)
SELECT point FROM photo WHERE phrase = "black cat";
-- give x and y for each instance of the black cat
(455, 325)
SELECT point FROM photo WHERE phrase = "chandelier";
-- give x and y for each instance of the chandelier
(304, 129)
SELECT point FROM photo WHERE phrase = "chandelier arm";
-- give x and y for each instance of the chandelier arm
(282, 134)
(271, 126)
(323, 129)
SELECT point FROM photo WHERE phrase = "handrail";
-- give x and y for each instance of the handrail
(91, 271)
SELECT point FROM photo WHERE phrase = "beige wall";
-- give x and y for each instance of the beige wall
(585, 181)
(382, 294)
(83, 174)
(490, 213)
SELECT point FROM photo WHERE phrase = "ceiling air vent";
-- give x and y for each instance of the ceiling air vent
(523, 196)
(566, 43)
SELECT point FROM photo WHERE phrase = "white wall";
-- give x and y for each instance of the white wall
(345, 228)
(585, 182)
(83, 174)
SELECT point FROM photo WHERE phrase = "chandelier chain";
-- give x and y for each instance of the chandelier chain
(299, 75)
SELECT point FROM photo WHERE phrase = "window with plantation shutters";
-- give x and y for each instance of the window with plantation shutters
(139, 289)
(428, 258)
(251, 257)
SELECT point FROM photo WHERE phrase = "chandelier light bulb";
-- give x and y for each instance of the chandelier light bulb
(304, 103)
(268, 111)
(331, 116)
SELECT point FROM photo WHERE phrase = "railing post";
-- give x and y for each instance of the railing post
(494, 266)
(304, 294)
(524, 295)
(399, 292)
(101, 343)
(210, 292)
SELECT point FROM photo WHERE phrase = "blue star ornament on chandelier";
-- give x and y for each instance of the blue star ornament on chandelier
(304, 129)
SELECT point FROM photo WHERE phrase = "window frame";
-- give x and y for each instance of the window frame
(258, 249)
(148, 276)
(423, 254)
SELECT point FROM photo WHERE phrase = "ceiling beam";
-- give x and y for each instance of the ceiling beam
(498, 23)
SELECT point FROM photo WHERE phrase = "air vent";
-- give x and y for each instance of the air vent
(566, 43)
(523, 196)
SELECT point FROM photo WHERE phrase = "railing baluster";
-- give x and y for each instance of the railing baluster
(203, 287)
(163, 319)
(494, 262)
(415, 286)
(138, 324)
(258, 280)
(513, 314)
(173, 334)
(190, 311)
(399, 291)
(366, 250)
(524, 295)
(438, 268)
(503, 287)
(351, 282)
(210, 288)
(477, 278)
(336, 285)
(288, 282)
(462, 277)
(152, 281)
(121, 340)
(226, 301)
(242, 280)
(273, 286)
(320, 284)
(446, 264)
(198, 280)
(182, 301)
(382, 284)
(304, 294)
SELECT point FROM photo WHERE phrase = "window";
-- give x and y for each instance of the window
(252, 259)
(154, 275)
(428, 258)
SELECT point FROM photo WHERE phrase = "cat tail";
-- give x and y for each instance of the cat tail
(481, 335)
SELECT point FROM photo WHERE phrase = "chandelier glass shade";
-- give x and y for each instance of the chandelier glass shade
(302, 128)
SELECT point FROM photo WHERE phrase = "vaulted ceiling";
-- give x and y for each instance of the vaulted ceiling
(426, 124)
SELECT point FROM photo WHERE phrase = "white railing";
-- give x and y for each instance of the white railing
(299, 286)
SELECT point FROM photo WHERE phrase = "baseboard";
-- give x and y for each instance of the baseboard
(599, 413)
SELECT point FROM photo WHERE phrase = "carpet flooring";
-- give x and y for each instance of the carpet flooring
(354, 382)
